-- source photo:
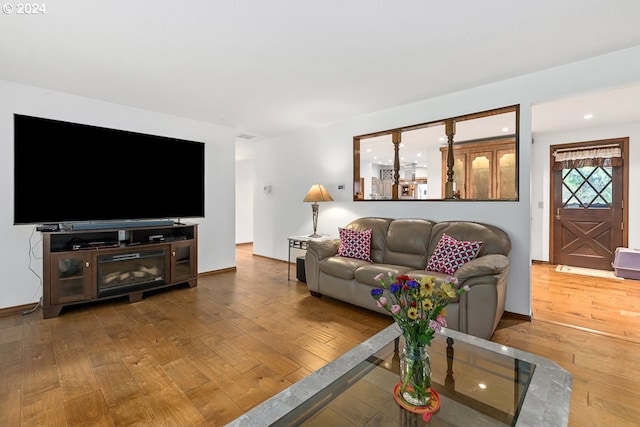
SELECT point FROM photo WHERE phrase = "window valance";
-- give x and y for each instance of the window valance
(604, 156)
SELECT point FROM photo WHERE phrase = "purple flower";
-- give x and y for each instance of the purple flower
(413, 284)
(376, 292)
(394, 288)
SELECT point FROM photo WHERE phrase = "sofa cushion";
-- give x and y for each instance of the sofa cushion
(408, 242)
(367, 273)
(379, 228)
(494, 240)
(450, 254)
(355, 244)
(341, 267)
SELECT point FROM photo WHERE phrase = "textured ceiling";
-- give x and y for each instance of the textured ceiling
(280, 66)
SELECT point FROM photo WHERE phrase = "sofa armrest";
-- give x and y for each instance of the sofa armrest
(322, 249)
(317, 251)
(487, 265)
(486, 278)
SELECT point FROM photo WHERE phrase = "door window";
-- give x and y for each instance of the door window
(587, 187)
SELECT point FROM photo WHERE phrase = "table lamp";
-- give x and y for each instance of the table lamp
(317, 193)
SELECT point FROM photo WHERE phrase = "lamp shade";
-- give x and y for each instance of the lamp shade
(317, 193)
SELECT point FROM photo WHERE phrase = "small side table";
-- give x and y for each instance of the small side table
(300, 242)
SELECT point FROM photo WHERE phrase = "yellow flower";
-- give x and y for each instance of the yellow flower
(428, 281)
(427, 284)
(448, 290)
(417, 304)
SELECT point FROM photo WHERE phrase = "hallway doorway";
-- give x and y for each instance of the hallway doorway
(589, 188)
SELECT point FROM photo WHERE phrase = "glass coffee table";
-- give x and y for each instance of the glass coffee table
(480, 383)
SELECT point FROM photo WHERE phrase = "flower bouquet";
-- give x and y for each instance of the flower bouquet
(419, 308)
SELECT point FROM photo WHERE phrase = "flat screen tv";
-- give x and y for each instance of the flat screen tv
(68, 173)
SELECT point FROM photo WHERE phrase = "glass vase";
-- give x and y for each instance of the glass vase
(415, 375)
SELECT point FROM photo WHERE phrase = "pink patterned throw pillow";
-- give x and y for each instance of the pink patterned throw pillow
(355, 244)
(451, 254)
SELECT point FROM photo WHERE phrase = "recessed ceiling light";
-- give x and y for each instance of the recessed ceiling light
(588, 116)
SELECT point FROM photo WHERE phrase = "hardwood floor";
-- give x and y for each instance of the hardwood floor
(589, 326)
(608, 306)
(203, 356)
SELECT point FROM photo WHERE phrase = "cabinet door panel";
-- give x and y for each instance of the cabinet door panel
(506, 173)
(480, 177)
(70, 277)
(183, 263)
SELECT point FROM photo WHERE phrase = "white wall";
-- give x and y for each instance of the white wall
(292, 163)
(540, 190)
(216, 248)
(245, 182)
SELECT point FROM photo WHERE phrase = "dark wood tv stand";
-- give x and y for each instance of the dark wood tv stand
(95, 265)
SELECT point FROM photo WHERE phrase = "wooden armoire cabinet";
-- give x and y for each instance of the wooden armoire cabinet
(484, 170)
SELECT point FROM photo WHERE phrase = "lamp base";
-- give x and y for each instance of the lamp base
(314, 235)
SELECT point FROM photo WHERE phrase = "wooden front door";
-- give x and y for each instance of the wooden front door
(588, 210)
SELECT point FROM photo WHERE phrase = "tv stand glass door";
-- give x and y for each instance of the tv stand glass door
(71, 279)
(120, 272)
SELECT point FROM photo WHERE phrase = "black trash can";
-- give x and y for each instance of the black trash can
(300, 273)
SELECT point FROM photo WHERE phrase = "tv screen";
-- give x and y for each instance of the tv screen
(67, 172)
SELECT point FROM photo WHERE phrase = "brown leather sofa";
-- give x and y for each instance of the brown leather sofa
(403, 246)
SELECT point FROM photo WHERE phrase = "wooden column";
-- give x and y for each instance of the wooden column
(449, 381)
(450, 130)
(358, 187)
(396, 137)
